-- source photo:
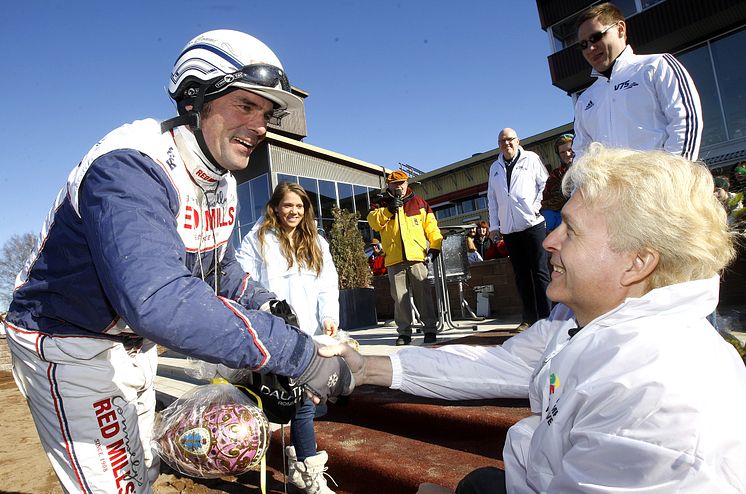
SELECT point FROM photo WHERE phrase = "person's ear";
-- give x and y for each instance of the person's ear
(641, 266)
(622, 30)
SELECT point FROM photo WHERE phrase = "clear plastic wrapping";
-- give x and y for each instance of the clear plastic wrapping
(212, 431)
(341, 336)
(199, 369)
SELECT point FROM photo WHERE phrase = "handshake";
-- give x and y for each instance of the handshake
(334, 371)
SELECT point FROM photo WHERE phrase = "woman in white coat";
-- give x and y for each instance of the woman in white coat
(284, 252)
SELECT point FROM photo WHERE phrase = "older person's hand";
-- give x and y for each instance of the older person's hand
(369, 369)
(355, 361)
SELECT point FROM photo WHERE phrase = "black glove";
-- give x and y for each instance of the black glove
(433, 254)
(395, 204)
(327, 377)
(283, 310)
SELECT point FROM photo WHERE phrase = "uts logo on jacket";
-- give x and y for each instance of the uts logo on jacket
(625, 85)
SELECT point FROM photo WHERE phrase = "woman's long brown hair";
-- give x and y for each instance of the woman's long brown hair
(305, 248)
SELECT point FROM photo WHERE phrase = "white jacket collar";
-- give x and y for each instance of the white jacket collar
(520, 152)
(199, 167)
(622, 60)
(690, 300)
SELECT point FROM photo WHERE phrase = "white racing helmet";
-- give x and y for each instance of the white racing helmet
(221, 60)
(217, 62)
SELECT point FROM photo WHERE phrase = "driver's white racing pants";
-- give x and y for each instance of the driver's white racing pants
(93, 403)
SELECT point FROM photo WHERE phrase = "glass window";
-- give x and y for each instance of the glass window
(237, 236)
(309, 184)
(628, 7)
(648, 3)
(328, 196)
(346, 199)
(699, 65)
(731, 75)
(244, 205)
(361, 200)
(472, 204)
(260, 194)
(564, 34)
(468, 205)
(446, 211)
(281, 177)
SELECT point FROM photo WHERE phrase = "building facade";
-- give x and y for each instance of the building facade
(331, 179)
(457, 193)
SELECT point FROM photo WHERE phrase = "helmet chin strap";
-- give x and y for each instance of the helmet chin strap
(193, 119)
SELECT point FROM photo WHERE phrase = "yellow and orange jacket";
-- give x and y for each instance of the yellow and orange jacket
(405, 235)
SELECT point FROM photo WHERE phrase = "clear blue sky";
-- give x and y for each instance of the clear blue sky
(424, 82)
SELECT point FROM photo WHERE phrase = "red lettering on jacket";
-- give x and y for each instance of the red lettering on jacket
(204, 176)
(191, 218)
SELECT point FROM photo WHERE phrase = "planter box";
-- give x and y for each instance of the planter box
(357, 308)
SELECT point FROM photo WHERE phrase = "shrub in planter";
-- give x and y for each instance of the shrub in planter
(357, 304)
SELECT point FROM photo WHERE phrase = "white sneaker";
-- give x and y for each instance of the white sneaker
(312, 471)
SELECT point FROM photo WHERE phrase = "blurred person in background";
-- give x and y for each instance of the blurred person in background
(377, 258)
(553, 198)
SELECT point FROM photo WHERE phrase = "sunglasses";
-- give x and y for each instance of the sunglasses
(594, 38)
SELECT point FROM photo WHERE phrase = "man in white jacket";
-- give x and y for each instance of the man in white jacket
(641, 102)
(514, 192)
(630, 387)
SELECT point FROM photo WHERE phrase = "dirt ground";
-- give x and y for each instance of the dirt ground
(24, 468)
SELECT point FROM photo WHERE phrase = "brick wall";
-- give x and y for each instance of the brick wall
(504, 302)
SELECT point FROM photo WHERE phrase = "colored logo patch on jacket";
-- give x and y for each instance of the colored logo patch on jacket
(554, 383)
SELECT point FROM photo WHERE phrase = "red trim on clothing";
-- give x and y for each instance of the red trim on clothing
(257, 342)
(244, 284)
(73, 462)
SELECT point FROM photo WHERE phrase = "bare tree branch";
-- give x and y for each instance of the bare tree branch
(14, 254)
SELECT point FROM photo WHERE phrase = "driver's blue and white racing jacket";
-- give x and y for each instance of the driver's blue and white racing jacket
(129, 250)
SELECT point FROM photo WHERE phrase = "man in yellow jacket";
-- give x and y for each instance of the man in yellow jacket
(410, 237)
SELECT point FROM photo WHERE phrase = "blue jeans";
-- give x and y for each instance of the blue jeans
(302, 433)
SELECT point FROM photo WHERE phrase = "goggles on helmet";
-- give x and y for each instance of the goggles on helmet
(260, 74)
